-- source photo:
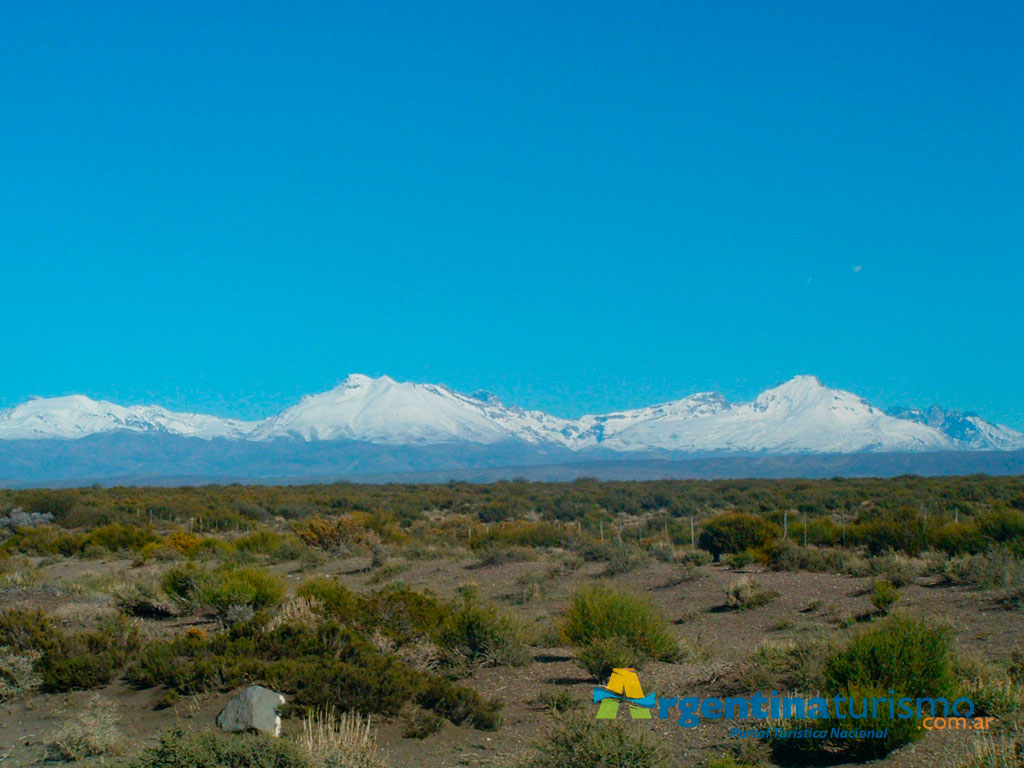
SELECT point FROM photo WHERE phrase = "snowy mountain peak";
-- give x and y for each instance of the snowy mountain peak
(801, 415)
(383, 410)
(799, 393)
(968, 429)
(800, 383)
(360, 380)
(75, 416)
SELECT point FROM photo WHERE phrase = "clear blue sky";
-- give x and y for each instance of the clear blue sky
(577, 205)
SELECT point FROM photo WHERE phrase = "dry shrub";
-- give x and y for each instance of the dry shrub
(141, 598)
(995, 569)
(529, 587)
(420, 724)
(319, 532)
(993, 689)
(419, 652)
(582, 742)
(337, 533)
(1003, 751)
(299, 611)
(90, 730)
(898, 568)
(17, 672)
(795, 664)
(498, 554)
(744, 593)
(330, 740)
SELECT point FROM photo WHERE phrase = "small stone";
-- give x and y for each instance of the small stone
(254, 709)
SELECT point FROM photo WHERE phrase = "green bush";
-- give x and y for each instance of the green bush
(227, 587)
(51, 540)
(740, 560)
(332, 596)
(181, 749)
(44, 540)
(902, 530)
(624, 559)
(183, 582)
(884, 595)
(1001, 525)
(603, 654)
(787, 555)
(994, 691)
(223, 588)
(908, 657)
(272, 544)
(695, 558)
(559, 701)
(523, 533)
(327, 665)
(601, 613)
(70, 661)
(460, 704)
(324, 665)
(27, 630)
(962, 538)
(370, 683)
(478, 634)
(117, 537)
(421, 724)
(141, 598)
(736, 532)
(898, 732)
(401, 614)
(745, 754)
(582, 742)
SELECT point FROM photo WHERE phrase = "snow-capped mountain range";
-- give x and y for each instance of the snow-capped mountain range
(799, 416)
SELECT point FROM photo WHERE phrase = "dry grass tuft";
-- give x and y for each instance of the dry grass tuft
(1003, 751)
(299, 611)
(90, 730)
(17, 672)
(419, 653)
(330, 740)
(744, 593)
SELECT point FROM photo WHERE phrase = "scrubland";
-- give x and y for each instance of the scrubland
(459, 624)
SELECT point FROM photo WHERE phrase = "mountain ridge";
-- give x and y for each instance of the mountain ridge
(801, 415)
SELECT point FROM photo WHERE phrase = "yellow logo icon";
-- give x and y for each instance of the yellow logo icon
(623, 685)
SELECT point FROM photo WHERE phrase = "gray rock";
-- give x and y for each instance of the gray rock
(254, 709)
